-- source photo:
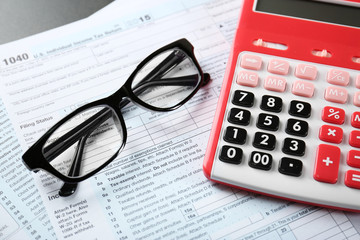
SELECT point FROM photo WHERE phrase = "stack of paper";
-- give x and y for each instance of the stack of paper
(155, 189)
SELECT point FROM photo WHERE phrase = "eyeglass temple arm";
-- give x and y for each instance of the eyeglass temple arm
(166, 65)
(68, 189)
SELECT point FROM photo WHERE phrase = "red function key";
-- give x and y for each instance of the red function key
(354, 139)
(305, 71)
(338, 77)
(333, 115)
(278, 66)
(355, 119)
(327, 163)
(252, 62)
(331, 134)
(352, 179)
(353, 158)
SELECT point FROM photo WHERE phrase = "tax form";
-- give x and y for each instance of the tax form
(155, 189)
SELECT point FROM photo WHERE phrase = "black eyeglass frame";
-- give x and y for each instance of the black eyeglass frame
(34, 158)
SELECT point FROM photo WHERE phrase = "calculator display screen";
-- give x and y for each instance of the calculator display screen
(342, 13)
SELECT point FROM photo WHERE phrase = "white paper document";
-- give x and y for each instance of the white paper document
(155, 188)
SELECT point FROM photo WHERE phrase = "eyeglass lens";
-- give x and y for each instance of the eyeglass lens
(103, 138)
(167, 79)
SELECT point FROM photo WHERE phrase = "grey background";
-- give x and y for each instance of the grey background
(22, 18)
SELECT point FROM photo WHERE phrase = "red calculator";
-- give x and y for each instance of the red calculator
(287, 122)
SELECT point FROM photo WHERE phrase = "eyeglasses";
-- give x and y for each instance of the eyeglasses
(89, 138)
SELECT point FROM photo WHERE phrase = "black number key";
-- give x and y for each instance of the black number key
(271, 103)
(290, 166)
(239, 116)
(264, 141)
(235, 135)
(300, 109)
(294, 146)
(260, 160)
(268, 122)
(243, 98)
(297, 127)
(230, 154)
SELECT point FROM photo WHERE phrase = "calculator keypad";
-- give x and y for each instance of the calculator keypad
(293, 120)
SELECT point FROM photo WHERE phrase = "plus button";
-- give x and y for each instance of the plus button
(327, 161)
(326, 169)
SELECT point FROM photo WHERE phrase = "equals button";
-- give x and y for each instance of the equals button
(352, 179)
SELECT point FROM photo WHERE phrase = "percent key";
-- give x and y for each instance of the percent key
(333, 115)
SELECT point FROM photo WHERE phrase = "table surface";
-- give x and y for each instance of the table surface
(22, 18)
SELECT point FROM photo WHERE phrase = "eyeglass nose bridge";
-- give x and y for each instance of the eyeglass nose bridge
(121, 97)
